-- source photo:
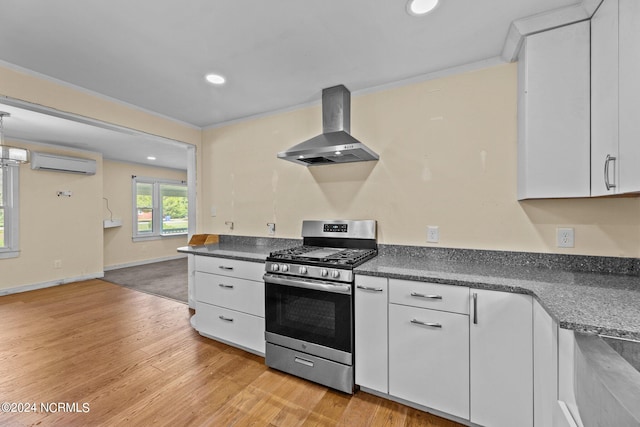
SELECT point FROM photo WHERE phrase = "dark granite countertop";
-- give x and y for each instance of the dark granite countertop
(253, 249)
(586, 301)
(584, 293)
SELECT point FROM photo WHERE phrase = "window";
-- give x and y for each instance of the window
(160, 208)
(9, 211)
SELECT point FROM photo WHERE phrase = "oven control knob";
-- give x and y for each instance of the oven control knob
(303, 270)
(324, 272)
(284, 268)
(335, 274)
(275, 267)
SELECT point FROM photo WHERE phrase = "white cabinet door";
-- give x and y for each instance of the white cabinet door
(545, 366)
(429, 358)
(501, 353)
(554, 114)
(629, 94)
(604, 99)
(371, 296)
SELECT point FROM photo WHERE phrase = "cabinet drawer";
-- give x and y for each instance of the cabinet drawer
(232, 327)
(429, 295)
(230, 267)
(237, 294)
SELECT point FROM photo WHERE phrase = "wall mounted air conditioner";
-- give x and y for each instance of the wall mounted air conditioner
(56, 163)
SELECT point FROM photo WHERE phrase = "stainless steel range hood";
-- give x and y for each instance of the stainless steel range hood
(335, 144)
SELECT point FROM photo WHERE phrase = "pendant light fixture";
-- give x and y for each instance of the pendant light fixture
(9, 154)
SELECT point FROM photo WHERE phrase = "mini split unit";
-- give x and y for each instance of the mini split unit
(56, 163)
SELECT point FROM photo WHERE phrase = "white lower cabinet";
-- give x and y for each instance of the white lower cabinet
(429, 358)
(371, 362)
(229, 299)
(467, 353)
(501, 359)
(545, 366)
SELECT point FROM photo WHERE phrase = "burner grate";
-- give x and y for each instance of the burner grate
(339, 256)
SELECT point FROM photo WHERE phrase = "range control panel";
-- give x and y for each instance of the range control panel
(336, 228)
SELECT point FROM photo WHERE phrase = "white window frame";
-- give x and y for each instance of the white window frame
(10, 191)
(156, 207)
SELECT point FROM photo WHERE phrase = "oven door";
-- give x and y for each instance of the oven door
(312, 316)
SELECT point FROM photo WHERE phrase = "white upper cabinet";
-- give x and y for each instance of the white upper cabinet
(615, 127)
(554, 114)
(578, 102)
(604, 100)
(629, 96)
(615, 103)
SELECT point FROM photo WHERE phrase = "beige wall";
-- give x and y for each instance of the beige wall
(447, 158)
(52, 228)
(70, 230)
(26, 87)
(119, 248)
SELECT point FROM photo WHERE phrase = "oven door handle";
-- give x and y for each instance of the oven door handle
(316, 286)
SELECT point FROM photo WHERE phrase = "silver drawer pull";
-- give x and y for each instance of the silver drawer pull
(430, 324)
(223, 267)
(303, 361)
(226, 319)
(415, 294)
(222, 285)
(368, 288)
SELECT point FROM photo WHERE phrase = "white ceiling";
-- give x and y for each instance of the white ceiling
(154, 54)
(43, 126)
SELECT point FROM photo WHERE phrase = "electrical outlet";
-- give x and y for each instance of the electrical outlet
(565, 237)
(433, 234)
(57, 263)
(271, 228)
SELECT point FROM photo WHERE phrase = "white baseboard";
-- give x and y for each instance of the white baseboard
(143, 262)
(42, 285)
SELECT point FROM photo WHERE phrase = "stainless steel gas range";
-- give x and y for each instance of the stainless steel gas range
(309, 301)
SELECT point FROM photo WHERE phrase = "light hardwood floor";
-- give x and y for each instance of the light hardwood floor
(134, 359)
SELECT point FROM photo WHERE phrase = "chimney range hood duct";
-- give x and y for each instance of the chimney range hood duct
(335, 144)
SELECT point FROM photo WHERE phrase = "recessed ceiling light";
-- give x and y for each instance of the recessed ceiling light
(215, 79)
(150, 158)
(421, 7)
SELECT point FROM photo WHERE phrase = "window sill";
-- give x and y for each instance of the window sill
(157, 237)
(9, 254)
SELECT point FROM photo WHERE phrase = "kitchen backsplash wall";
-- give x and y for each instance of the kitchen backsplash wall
(447, 158)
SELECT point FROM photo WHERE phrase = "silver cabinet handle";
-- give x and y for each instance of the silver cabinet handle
(222, 285)
(226, 319)
(271, 279)
(430, 324)
(475, 309)
(303, 361)
(415, 294)
(369, 288)
(222, 267)
(607, 161)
